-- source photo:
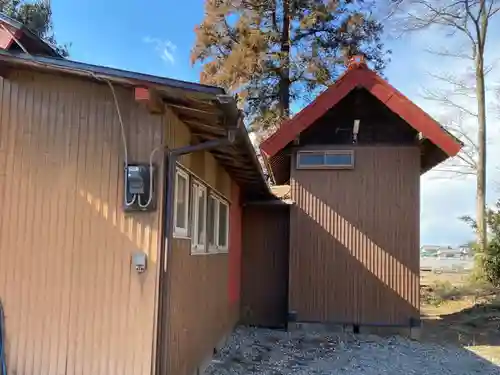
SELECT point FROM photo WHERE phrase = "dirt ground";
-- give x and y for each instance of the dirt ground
(471, 321)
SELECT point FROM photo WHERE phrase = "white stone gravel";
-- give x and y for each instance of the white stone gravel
(269, 352)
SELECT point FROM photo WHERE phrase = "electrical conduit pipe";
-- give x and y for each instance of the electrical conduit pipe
(3, 362)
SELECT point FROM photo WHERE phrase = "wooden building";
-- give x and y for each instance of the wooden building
(74, 301)
(138, 229)
(353, 160)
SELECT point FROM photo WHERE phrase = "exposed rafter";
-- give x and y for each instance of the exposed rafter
(151, 98)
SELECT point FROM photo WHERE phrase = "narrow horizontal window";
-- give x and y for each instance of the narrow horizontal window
(306, 159)
(340, 159)
(343, 159)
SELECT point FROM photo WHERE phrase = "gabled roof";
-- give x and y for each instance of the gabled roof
(359, 75)
(16, 36)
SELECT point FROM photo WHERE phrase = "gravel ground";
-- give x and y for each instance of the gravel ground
(268, 352)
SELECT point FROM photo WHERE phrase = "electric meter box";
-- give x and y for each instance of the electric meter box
(139, 181)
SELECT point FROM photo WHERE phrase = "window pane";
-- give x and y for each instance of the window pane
(181, 202)
(223, 221)
(211, 221)
(338, 159)
(202, 202)
(311, 159)
(194, 209)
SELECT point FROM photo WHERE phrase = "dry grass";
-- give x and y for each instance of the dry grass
(459, 311)
(441, 291)
(427, 278)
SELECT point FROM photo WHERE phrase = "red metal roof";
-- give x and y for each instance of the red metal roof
(359, 75)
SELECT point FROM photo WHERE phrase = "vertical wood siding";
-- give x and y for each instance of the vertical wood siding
(197, 313)
(354, 244)
(264, 298)
(73, 302)
(236, 244)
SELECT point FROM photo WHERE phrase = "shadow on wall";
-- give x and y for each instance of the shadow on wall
(66, 279)
(264, 287)
(346, 276)
(138, 231)
(88, 300)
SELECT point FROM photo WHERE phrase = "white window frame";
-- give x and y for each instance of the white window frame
(182, 231)
(223, 249)
(197, 189)
(217, 248)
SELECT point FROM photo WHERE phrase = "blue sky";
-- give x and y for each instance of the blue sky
(134, 36)
(128, 34)
(156, 36)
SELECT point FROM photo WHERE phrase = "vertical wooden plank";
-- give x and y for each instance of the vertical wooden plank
(190, 335)
(265, 253)
(65, 267)
(357, 247)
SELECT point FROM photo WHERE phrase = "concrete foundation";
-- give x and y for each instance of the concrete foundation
(409, 332)
(209, 358)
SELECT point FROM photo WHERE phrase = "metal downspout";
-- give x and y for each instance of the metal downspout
(172, 157)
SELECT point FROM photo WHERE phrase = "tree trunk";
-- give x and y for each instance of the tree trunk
(481, 163)
(284, 85)
(481, 137)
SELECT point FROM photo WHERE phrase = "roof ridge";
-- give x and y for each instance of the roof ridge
(359, 75)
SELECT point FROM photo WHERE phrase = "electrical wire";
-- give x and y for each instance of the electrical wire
(122, 127)
(124, 139)
(3, 362)
(125, 150)
(150, 199)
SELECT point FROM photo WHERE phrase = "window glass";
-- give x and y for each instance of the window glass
(211, 221)
(338, 159)
(325, 159)
(223, 223)
(201, 227)
(311, 158)
(181, 201)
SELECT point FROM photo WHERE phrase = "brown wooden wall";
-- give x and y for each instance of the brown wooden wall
(197, 312)
(264, 294)
(354, 243)
(73, 302)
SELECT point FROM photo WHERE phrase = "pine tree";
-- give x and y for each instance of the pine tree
(274, 52)
(35, 15)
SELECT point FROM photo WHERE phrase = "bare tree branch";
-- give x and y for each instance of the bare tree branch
(446, 53)
(450, 103)
(493, 11)
(471, 19)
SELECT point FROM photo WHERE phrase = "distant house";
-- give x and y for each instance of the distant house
(429, 250)
(435, 251)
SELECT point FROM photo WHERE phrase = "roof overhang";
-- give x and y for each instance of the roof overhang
(360, 76)
(208, 111)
